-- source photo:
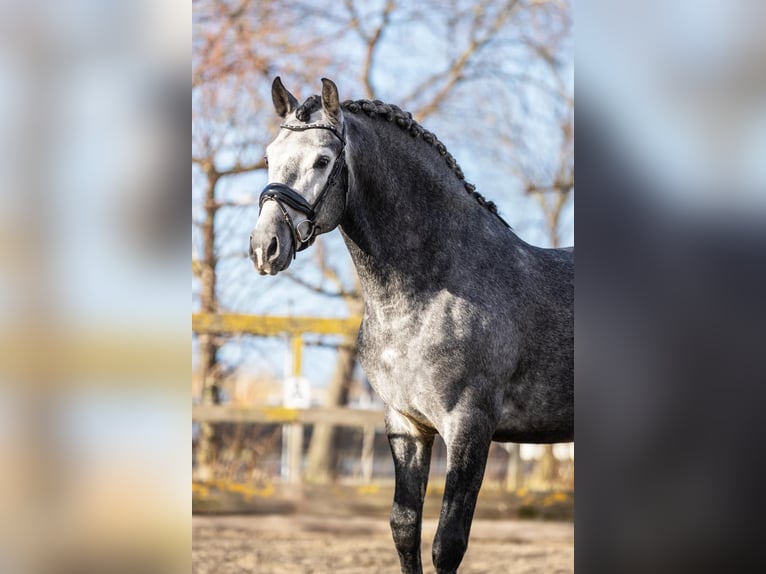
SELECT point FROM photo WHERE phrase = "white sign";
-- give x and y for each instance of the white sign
(296, 393)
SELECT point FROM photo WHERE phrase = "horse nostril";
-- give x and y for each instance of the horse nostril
(273, 250)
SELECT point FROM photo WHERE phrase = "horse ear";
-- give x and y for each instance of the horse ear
(284, 101)
(330, 101)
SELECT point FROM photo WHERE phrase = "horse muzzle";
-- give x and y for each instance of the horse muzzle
(271, 247)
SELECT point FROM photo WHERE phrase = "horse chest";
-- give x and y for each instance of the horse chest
(409, 359)
(392, 359)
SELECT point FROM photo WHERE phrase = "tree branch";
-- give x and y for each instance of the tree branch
(372, 44)
(356, 21)
(207, 165)
(246, 168)
(455, 71)
(314, 288)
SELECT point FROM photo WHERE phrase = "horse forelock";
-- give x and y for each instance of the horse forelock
(376, 109)
(311, 105)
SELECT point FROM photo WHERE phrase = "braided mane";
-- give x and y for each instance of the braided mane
(391, 113)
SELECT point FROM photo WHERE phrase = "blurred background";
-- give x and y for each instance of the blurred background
(494, 80)
(94, 372)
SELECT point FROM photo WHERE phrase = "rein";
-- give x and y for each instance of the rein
(284, 195)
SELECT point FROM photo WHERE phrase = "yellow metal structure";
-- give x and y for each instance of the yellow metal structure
(297, 342)
(269, 326)
(292, 419)
(341, 416)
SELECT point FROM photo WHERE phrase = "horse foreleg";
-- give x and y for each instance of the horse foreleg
(411, 450)
(467, 451)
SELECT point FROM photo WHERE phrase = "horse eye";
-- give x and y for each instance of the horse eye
(266, 160)
(322, 161)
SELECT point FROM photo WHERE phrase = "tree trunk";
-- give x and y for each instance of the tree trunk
(207, 447)
(321, 455)
(548, 468)
(513, 476)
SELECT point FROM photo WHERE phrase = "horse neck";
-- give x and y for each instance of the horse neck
(409, 220)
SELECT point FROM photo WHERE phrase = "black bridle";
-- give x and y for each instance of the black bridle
(284, 195)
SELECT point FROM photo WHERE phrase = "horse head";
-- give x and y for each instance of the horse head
(306, 193)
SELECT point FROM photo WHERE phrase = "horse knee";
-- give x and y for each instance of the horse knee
(405, 528)
(448, 550)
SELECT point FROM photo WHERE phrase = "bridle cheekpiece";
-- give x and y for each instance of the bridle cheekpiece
(284, 195)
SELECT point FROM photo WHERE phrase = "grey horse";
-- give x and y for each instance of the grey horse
(468, 331)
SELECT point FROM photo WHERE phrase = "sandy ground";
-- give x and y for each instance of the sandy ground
(303, 544)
